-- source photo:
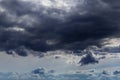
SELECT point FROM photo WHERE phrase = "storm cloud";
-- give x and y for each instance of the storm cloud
(53, 25)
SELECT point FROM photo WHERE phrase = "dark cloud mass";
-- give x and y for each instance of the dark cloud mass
(42, 26)
(88, 59)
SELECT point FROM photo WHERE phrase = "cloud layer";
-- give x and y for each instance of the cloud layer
(52, 25)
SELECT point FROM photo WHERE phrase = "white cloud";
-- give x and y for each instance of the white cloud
(58, 4)
(111, 42)
(16, 28)
(27, 20)
(2, 10)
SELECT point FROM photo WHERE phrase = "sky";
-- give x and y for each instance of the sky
(37, 27)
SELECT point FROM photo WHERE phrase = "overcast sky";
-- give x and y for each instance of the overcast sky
(48, 25)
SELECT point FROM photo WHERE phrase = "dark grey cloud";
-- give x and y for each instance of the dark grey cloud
(116, 72)
(40, 28)
(40, 71)
(88, 59)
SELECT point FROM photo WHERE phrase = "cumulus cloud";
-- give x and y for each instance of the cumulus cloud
(85, 75)
(116, 72)
(88, 59)
(52, 25)
(39, 71)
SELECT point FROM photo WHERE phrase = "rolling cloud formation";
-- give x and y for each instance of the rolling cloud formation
(47, 25)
